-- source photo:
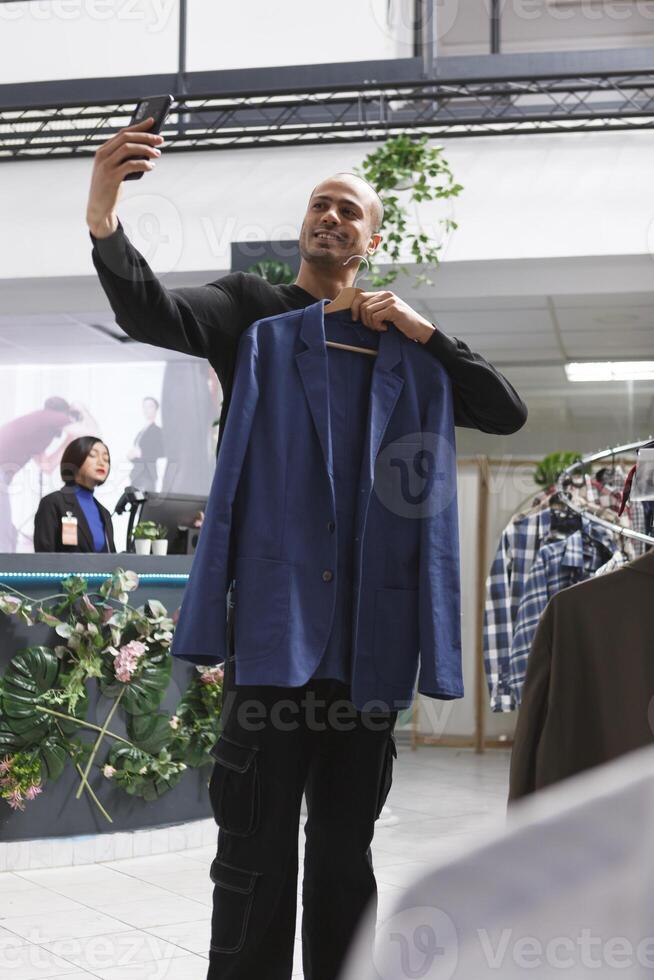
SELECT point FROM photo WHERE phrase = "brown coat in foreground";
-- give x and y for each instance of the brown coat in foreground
(588, 695)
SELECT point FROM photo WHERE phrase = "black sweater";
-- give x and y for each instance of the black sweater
(207, 321)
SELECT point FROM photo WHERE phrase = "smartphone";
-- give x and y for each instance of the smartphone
(157, 106)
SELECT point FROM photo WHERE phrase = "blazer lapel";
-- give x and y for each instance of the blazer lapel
(312, 365)
(83, 529)
(384, 392)
(385, 388)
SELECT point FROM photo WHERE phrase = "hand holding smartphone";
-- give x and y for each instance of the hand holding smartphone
(158, 107)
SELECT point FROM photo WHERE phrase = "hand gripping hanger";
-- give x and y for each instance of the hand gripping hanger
(564, 480)
(344, 301)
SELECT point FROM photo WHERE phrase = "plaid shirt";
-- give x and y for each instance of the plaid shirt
(558, 565)
(515, 555)
(638, 522)
(617, 560)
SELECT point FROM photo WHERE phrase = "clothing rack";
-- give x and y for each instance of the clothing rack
(563, 484)
(479, 739)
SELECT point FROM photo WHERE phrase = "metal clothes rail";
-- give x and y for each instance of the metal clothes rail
(563, 484)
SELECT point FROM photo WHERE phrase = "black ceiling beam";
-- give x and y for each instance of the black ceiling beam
(368, 101)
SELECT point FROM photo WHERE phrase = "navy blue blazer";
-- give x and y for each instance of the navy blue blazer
(270, 521)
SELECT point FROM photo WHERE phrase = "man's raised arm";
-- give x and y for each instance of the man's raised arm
(198, 320)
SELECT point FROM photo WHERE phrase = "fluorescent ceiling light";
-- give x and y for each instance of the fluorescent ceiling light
(610, 370)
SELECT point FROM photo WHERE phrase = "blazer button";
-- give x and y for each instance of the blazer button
(331, 526)
(327, 575)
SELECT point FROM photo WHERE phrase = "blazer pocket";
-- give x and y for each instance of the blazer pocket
(261, 606)
(396, 635)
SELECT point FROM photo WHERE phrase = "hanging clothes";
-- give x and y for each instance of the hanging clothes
(519, 545)
(557, 566)
(271, 515)
(350, 377)
(617, 560)
(588, 689)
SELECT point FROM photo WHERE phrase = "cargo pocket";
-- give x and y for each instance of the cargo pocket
(234, 788)
(387, 775)
(232, 905)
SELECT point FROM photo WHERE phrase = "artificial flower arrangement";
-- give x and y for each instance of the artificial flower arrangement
(126, 651)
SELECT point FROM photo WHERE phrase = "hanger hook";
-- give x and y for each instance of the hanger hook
(364, 258)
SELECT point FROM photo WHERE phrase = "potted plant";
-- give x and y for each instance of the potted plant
(160, 540)
(407, 170)
(144, 533)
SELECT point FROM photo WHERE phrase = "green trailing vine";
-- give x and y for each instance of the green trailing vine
(404, 170)
(125, 650)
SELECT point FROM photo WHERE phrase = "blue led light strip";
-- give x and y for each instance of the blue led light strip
(162, 577)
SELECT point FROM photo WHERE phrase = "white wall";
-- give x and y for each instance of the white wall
(573, 194)
(107, 38)
(297, 33)
(54, 39)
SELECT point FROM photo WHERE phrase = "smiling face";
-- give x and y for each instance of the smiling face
(95, 468)
(341, 218)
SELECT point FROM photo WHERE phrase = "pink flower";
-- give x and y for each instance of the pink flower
(6, 764)
(135, 647)
(212, 676)
(15, 800)
(32, 791)
(109, 772)
(127, 659)
(174, 722)
(9, 603)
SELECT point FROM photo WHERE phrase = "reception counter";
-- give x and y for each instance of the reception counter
(56, 812)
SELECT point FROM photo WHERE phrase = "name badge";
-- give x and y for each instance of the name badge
(69, 529)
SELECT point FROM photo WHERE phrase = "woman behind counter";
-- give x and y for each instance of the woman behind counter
(84, 466)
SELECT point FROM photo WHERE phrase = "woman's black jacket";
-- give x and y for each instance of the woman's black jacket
(47, 522)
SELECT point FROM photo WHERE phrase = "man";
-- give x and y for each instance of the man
(261, 772)
(147, 449)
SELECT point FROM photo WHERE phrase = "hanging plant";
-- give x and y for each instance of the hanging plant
(408, 163)
(126, 651)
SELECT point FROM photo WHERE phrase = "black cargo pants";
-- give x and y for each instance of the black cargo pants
(275, 744)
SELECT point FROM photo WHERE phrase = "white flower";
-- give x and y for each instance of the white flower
(174, 722)
(143, 770)
(108, 771)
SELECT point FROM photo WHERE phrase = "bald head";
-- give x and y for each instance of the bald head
(375, 207)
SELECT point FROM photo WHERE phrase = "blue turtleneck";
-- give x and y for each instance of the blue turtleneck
(89, 505)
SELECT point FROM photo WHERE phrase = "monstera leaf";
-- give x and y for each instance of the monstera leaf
(53, 755)
(151, 733)
(157, 780)
(203, 728)
(9, 741)
(28, 677)
(143, 694)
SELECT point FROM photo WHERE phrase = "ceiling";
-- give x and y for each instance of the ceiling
(599, 310)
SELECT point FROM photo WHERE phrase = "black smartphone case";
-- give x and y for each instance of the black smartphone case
(157, 106)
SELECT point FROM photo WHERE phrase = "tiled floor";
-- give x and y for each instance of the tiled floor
(148, 918)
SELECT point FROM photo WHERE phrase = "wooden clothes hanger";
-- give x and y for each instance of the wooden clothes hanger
(344, 301)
